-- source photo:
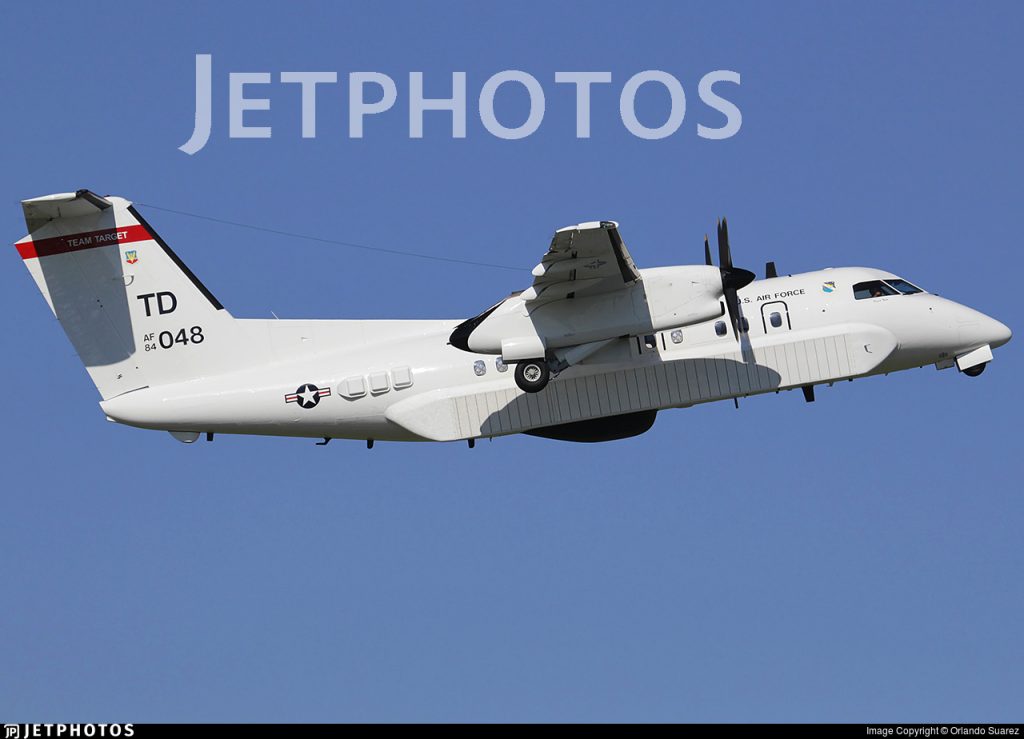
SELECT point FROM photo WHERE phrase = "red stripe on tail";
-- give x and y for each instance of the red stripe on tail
(82, 241)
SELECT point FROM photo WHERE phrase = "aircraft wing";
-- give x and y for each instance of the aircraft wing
(585, 259)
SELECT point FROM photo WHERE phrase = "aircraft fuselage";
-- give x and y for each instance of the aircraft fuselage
(403, 381)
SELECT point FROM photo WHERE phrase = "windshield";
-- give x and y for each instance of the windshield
(884, 288)
(903, 286)
(873, 289)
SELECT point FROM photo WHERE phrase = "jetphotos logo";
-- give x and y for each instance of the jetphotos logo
(372, 94)
(68, 731)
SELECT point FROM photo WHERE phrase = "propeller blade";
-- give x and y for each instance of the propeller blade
(769, 270)
(707, 251)
(733, 278)
(724, 252)
(732, 305)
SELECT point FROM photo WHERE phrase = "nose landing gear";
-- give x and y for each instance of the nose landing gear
(973, 363)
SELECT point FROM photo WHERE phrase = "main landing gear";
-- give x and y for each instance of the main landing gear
(532, 375)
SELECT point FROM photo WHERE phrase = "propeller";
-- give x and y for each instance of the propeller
(733, 278)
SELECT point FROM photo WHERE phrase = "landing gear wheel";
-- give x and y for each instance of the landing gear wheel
(532, 375)
(975, 370)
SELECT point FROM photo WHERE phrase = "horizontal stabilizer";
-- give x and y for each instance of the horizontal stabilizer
(38, 211)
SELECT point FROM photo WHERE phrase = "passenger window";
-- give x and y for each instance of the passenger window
(720, 328)
(744, 325)
(353, 387)
(677, 336)
(401, 377)
(650, 342)
(379, 383)
(872, 289)
(775, 319)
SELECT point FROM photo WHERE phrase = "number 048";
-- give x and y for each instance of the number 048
(193, 335)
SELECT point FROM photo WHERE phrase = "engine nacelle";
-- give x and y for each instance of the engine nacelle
(665, 297)
(682, 296)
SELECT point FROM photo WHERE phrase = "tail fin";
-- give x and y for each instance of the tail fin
(134, 312)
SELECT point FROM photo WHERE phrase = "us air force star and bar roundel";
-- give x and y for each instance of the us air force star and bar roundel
(307, 396)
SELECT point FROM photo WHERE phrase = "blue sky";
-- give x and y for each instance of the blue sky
(855, 559)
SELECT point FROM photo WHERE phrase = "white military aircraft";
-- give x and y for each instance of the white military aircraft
(596, 346)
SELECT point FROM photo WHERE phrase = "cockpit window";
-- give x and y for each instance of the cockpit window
(872, 289)
(904, 287)
(884, 288)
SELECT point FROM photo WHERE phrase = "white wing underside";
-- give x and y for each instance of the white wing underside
(583, 260)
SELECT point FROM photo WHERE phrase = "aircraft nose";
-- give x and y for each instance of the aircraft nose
(996, 332)
(976, 328)
(980, 329)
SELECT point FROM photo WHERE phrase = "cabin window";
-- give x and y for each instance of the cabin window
(650, 342)
(775, 319)
(744, 325)
(499, 364)
(677, 336)
(401, 377)
(353, 387)
(720, 328)
(872, 289)
(480, 368)
(379, 383)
